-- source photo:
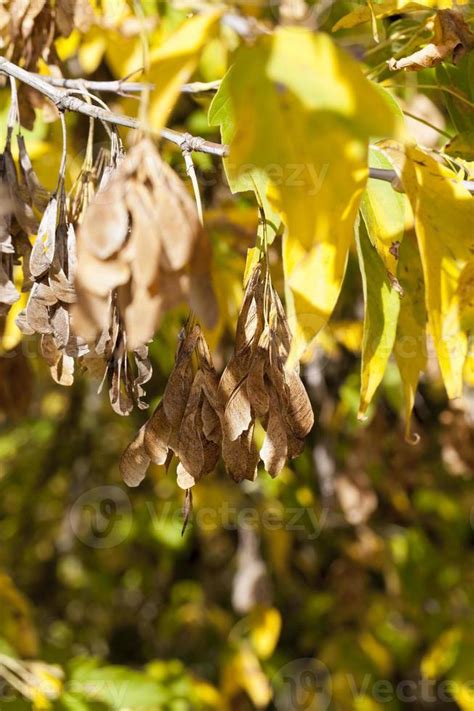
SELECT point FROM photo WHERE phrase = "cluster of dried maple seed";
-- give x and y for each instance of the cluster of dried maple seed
(97, 300)
(202, 416)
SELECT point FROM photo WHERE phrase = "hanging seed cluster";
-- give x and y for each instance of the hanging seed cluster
(21, 195)
(141, 240)
(108, 260)
(187, 421)
(201, 417)
(52, 267)
(256, 385)
(28, 30)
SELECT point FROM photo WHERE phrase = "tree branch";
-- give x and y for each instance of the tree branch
(390, 176)
(56, 91)
(122, 87)
(64, 102)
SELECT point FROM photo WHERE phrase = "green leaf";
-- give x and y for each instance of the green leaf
(383, 211)
(298, 113)
(461, 146)
(410, 342)
(365, 13)
(442, 656)
(117, 686)
(459, 79)
(382, 304)
(6, 648)
(71, 701)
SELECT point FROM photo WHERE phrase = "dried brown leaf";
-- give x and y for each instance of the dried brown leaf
(19, 199)
(211, 424)
(452, 36)
(60, 324)
(257, 387)
(37, 312)
(72, 14)
(38, 194)
(62, 288)
(238, 413)
(184, 479)
(61, 365)
(8, 291)
(119, 390)
(299, 412)
(241, 456)
(190, 448)
(144, 373)
(274, 450)
(42, 253)
(106, 222)
(135, 461)
(179, 383)
(157, 436)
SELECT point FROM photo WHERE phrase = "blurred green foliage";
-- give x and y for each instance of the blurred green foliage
(360, 556)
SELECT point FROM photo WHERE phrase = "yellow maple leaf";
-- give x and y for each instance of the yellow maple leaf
(289, 105)
(173, 62)
(444, 223)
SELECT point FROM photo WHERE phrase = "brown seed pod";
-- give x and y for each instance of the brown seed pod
(257, 385)
(187, 422)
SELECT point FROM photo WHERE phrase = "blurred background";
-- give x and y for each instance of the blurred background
(359, 555)
(348, 582)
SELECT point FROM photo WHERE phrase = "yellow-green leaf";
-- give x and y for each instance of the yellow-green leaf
(466, 298)
(410, 341)
(442, 656)
(173, 62)
(383, 211)
(462, 146)
(444, 223)
(265, 628)
(297, 113)
(379, 10)
(242, 672)
(382, 304)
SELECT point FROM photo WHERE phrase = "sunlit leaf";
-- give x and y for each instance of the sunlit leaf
(383, 211)
(442, 656)
(364, 13)
(444, 220)
(265, 631)
(288, 106)
(410, 343)
(173, 62)
(382, 304)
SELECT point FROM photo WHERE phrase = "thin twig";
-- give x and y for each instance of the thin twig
(65, 102)
(13, 113)
(62, 167)
(434, 87)
(116, 86)
(390, 176)
(191, 171)
(427, 123)
(122, 87)
(185, 141)
(196, 87)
